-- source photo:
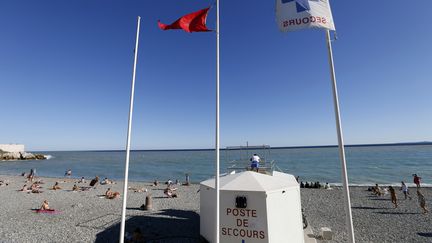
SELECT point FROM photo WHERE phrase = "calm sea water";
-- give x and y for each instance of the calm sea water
(366, 165)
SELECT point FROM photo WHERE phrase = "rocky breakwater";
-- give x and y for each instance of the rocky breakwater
(20, 156)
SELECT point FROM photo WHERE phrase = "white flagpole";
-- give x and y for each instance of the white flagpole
(217, 124)
(125, 188)
(349, 222)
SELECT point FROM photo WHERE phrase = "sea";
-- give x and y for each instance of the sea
(366, 165)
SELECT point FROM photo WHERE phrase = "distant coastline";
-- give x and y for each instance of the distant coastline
(282, 147)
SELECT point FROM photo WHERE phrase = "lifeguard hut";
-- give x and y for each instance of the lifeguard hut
(254, 207)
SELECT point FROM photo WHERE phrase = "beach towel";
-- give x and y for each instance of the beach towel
(46, 211)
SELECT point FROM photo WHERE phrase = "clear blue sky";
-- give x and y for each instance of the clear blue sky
(65, 72)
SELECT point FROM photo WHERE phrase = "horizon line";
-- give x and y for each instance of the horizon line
(252, 147)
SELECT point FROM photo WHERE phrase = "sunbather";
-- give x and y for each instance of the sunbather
(141, 189)
(45, 205)
(75, 188)
(111, 195)
(107, 181)
(35, 188)
(4, 183)
(170, 192)
(56, 186)
(24, 188)
(377, 190)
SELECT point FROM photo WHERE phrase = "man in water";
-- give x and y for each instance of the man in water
(255, 162)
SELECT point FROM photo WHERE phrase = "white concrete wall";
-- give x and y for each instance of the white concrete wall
(12, 147)
(285, 222)
(207, 213)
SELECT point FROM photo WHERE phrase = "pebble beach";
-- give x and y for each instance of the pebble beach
(87, 216)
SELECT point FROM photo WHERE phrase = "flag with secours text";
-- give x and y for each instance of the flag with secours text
(294, 15)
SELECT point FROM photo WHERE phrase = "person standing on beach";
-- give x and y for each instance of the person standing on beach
(422, 201)
(393, 196)
(187, 183)
(417, 180)
(404, 189)
(31, 175)
(255, 162)
(94, 182)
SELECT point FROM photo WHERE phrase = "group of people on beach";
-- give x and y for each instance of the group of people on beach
(35, 186)
(316, 185)
(377, 190)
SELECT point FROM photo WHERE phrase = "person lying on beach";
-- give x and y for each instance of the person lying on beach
(34, 188)
(141, 189)
(106, 181)
(4, 183)
(111, 195)
(45, 205)
(24, 188)
(56, 186)
(393, 196)
(76, 188)
(170, 192)
(38, 182)
(422, 201)
(94, 181)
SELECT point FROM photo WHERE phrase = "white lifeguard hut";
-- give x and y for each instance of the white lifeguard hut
(254, 207)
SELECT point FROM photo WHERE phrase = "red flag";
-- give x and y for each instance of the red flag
(193, 22)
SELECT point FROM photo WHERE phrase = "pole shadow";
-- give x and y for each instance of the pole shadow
(425, 234)
(165, 226)
(368, 208)
(381, 199)
(395, 213)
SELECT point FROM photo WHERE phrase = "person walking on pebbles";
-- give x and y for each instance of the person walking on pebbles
(422, 201)
(417, 180)
(404, 189)
(393, 196)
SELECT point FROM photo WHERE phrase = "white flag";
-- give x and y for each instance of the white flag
(300, 14)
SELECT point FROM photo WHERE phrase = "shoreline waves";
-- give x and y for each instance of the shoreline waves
(365, 165)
